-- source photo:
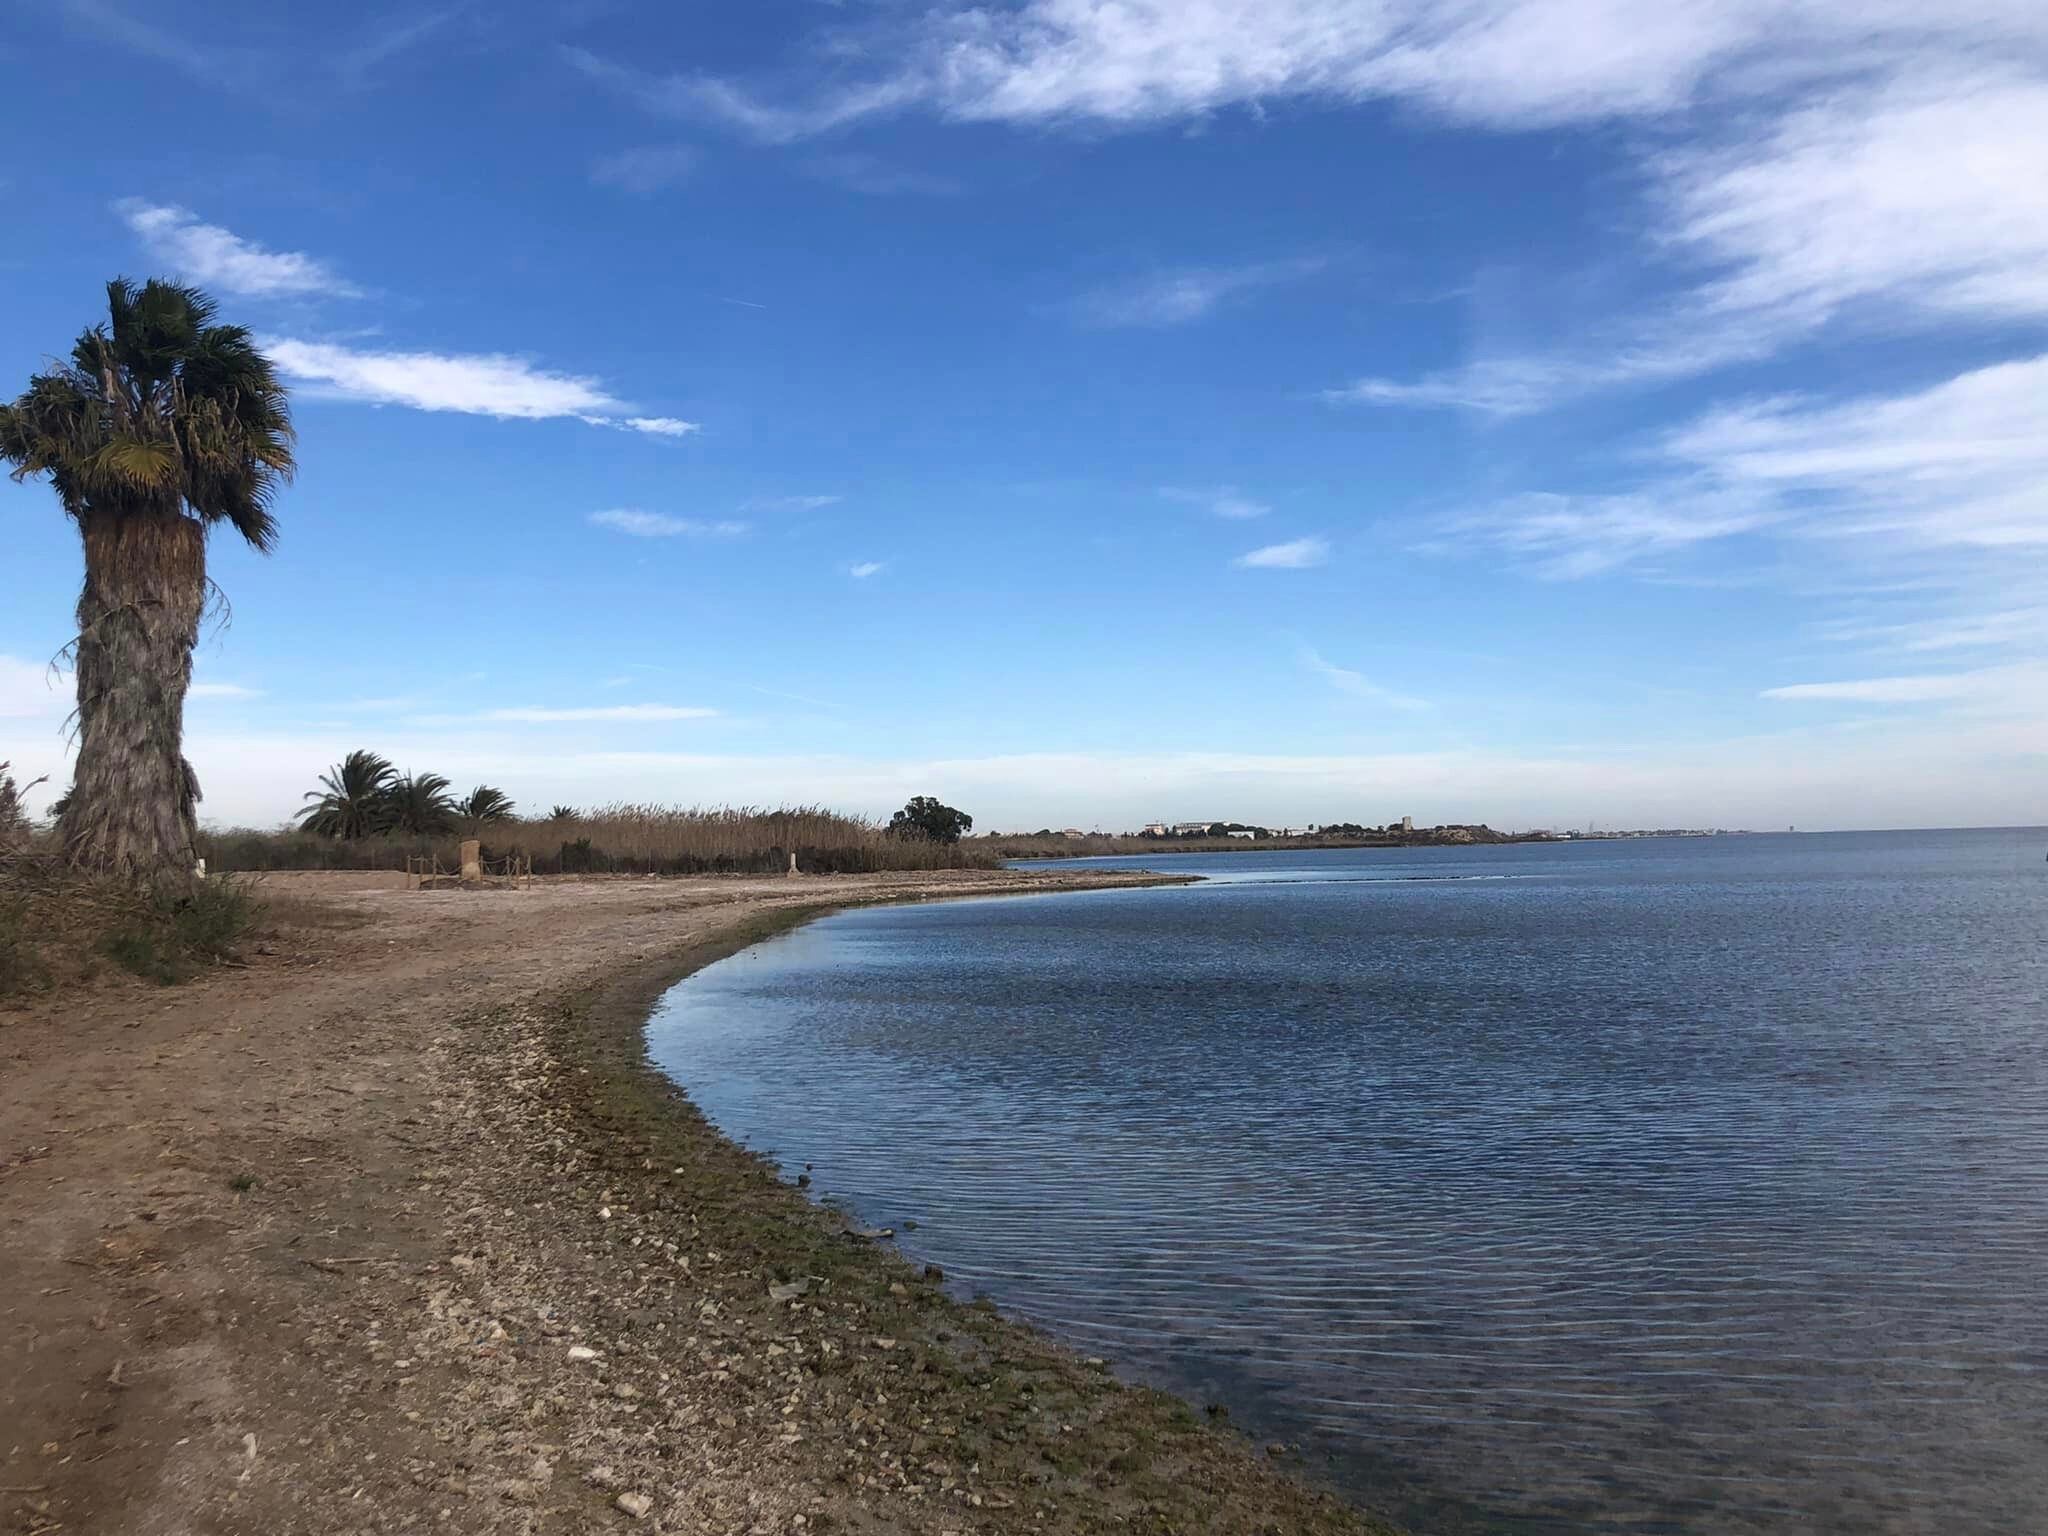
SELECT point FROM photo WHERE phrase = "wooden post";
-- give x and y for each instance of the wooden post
(472, 865)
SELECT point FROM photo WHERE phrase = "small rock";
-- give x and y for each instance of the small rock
(933, 1272)
(582, 1352)
(789, 1292)
(635, 1504)
(898, 1288)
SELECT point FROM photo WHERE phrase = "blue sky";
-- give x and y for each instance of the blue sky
(1533, 411)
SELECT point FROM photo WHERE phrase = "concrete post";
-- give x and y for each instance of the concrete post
(792, 866)
(472, 862)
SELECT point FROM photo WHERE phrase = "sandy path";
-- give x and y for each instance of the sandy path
(318, 1245)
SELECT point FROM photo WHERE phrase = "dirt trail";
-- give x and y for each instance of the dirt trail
(392, 1231)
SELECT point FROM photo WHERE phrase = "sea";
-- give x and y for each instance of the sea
(1656, 1186)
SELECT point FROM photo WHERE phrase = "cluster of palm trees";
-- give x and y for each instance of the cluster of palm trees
(364, 796)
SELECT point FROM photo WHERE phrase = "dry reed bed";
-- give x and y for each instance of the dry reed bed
(622, 838)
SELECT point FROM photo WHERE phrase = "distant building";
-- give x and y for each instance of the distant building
(1073, 832)
(1407, 823)
(1191, 828)
(1156, 829)
(1242, 832)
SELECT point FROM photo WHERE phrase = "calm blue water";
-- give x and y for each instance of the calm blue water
(1665, 1186)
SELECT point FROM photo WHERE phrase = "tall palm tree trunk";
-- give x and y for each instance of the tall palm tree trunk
(132, 806)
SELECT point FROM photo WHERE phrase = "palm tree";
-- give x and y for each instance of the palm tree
(484, 804)
(562, 813)
(354, 798)
(161, 426)
(421, 806)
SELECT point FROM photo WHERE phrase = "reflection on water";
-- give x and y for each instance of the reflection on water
(1660, 1187)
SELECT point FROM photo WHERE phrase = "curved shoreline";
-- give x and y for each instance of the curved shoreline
(1128, 1457)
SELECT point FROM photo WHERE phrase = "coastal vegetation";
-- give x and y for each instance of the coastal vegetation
(366, 815)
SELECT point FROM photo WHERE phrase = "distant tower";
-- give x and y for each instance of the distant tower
(1407, 823)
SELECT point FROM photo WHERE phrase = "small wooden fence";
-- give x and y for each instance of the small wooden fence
(426, 872)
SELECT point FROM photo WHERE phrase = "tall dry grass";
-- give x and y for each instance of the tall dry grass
(622, 839)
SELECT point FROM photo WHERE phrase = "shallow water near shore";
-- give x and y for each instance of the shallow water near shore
(1659, 1186)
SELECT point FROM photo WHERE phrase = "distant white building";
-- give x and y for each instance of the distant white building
(1073, 832)
(1191, 828)
(1156, 829)
(1407, 823)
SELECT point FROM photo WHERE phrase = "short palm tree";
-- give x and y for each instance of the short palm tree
(484, 804)
(421, 805)
(354, 798)
(562, 813)
(161, 426)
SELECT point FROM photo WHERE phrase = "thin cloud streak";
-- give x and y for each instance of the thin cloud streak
(1180, 295)
(2024, 686)
(1356, 684)
(660, 525)
(1223, 501)
(1294, 555)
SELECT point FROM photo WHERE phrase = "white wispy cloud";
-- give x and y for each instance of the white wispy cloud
(867, 568)
(1815, 161)
(1179, 295)
(642, 713)
(1962, 462)
(1510, 64)
(1356, 684)
(2027, 685)
(472, 383)
(1224, 501)
(660, 525)
(647, 169)
(1922, 191)
(1568, 536)
(220, 259)
(1294, 555)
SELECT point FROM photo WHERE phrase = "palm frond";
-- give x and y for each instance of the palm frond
(159, 406)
